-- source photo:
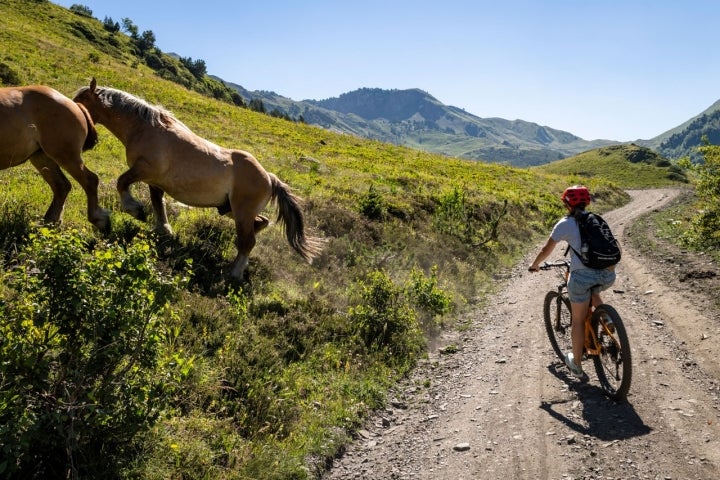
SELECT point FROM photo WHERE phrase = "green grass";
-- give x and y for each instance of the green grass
(628, 166)
(275, 376)
(671, 226)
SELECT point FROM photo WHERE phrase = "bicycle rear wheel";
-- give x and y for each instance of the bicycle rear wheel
(558, 322)
(614, 364)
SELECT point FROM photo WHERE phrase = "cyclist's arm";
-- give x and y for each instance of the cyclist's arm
(545, 252)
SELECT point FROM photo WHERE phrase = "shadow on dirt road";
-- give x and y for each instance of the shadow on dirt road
(601, 417)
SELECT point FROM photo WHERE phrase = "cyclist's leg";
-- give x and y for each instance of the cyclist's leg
(580, 285)
(579, 312)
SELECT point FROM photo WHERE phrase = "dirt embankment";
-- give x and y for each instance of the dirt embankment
(503, 406)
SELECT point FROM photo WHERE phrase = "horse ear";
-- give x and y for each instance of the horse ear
(93, 85)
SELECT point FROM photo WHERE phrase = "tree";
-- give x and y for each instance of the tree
(237, 99)
(196, 67)
(146, 42)
(110, 25)
(130, 28)
(257, 105)
(82, 10)
(199, 69)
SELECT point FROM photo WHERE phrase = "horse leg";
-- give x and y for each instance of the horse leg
(59, 184)
(162, 225)
(128, 203)
(87, 180)
(244, 241)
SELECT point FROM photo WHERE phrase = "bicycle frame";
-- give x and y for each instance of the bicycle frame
(592, 345)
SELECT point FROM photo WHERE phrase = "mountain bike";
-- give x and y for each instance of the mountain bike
(606, 340)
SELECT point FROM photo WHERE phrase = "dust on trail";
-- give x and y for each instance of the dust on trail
(504, 407)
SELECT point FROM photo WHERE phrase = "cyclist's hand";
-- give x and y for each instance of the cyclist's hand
(533, 268)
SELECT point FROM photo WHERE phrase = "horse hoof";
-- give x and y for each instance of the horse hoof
(164, 230)
(102, 222)
(239, 267)
(135, 210)
(261, 222)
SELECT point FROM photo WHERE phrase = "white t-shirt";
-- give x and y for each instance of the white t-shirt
(567, 230)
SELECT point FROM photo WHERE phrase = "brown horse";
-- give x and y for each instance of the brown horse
(162, 152)
(40, 124)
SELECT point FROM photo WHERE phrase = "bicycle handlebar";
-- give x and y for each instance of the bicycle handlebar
(559, 264)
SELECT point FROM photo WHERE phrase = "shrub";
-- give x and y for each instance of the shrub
(385, 322)
(8, 76)
(80, 339)
(705, 230)
(469, 223)
(426, 294)
(15, 226)
(204, 241)
(372, 204)
(452, 215)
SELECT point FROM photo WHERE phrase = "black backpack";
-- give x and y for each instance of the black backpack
(599, 248)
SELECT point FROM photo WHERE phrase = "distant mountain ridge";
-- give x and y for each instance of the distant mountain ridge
(682, 140)
(391, 105)
(416, 119)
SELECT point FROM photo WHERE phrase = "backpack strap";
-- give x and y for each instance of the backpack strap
(581, 226)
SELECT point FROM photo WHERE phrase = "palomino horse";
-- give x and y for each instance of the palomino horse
(44, 126)
(162, 152)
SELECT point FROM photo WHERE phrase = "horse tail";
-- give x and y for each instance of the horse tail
(290, 214)
(92, 137)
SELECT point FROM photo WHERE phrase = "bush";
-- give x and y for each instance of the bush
(426, 294)
(8, 76)
(385, 322)
(452, 215)
(705, 230)
(81, 335)
(15, 226)
(372, 204)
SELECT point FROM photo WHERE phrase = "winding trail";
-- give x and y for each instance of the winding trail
(503, 406)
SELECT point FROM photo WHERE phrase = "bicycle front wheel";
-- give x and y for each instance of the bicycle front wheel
(558, 323)
(614, 363)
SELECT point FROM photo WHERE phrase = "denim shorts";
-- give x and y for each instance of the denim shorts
(585, 281)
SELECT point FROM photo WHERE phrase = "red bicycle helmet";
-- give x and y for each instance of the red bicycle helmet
(575, 195)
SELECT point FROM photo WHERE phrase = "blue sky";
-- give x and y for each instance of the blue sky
(613, 69)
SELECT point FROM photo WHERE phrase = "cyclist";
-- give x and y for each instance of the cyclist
(584, 284)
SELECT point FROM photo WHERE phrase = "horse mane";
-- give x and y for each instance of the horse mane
(124, 102)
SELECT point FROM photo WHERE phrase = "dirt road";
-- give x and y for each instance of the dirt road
(503, 406)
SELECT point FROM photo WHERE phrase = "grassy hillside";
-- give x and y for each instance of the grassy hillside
(257, 380)
(629, 166)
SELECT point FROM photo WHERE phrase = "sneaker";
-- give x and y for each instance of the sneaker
(576, 371)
